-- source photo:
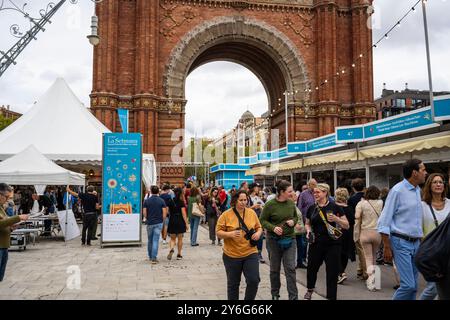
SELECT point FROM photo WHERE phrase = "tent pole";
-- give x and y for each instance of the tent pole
(67, 213)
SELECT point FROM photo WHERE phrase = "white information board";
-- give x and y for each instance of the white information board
(121, 227)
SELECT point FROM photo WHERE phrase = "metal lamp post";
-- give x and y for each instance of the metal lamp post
(427, 45)
(37, 25)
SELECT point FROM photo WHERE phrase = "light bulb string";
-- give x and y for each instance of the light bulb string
(361, 55)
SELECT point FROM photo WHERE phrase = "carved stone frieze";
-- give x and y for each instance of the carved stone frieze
(302, 27)
(234, 27)
(169, 23)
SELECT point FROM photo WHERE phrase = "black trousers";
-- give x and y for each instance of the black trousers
(234, 268)
(212, 223)
(331, 254)
(344, 261)
(89, 222)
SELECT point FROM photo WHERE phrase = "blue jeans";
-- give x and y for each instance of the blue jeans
(430, 292)
(153, 232)
(194, 221)
(404, 253)
(3, 262)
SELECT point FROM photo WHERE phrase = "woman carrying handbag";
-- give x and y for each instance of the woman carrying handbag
(323, 223)
(436, 208)
(194, 213)
(368, 211)
(240, 228)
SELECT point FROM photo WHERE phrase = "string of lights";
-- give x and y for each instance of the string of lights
(354, 64)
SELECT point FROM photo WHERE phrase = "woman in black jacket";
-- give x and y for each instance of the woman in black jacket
(341, 196)
(213, 212)
(321, 217)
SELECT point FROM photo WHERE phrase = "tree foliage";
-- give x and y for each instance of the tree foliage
(4, 122)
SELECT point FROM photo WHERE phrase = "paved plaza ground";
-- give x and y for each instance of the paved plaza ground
(41, 272)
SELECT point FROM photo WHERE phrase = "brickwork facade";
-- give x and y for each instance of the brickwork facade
(148, 48)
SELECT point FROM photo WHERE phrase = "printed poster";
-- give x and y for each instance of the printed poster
(121, 198)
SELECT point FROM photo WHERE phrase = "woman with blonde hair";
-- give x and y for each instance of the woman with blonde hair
(368, 211)
(341, 196)
(324, 222)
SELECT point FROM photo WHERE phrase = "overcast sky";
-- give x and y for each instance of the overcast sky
(217, 102)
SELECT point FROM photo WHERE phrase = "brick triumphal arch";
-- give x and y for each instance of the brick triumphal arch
(148, 48)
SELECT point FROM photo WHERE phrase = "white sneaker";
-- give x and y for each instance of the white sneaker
(370, 282)
(342, 277)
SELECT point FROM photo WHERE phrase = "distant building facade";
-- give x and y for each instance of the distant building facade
(250, 132)
(6, 112)
(392, 102)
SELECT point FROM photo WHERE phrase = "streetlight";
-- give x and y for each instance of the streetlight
(37, 24)
(427, 45)
(94, 39)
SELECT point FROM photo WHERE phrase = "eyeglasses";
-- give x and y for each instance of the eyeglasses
(438, 182)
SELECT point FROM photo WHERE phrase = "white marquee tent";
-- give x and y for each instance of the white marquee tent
(62, 129)
(30, 167)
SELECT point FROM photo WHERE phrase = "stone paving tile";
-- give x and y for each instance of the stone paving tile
(40, 272)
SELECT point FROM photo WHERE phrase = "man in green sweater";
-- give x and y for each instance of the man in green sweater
(6, 193)
(279, 217)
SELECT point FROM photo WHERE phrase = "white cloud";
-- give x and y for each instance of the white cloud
(218, 94)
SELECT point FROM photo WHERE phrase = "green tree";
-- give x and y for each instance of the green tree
(200, 170)
(4, 122)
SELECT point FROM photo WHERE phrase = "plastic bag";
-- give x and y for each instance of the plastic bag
(432, 258)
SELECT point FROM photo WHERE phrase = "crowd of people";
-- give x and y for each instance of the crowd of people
(301, 229)
(306, 228)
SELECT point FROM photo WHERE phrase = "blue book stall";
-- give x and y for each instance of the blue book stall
(228, 175)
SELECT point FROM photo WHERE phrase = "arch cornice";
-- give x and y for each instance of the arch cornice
(269, 39)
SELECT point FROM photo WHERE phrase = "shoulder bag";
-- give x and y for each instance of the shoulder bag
(333, 232)
(198, 210)
(248, 233)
